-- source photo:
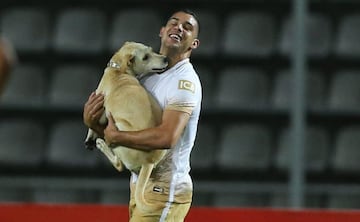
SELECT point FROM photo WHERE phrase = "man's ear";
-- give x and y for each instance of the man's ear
(195, 44)
(161, 31)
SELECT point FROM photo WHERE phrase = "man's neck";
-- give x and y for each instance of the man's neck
(174, 57)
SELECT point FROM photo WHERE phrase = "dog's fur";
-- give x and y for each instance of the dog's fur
(132, 108)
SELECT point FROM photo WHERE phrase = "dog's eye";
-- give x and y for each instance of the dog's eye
(146, 57)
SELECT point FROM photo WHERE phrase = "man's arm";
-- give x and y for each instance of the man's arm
(93, 110)
(164, 136)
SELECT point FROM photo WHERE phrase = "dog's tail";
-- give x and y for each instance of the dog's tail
(141, 182)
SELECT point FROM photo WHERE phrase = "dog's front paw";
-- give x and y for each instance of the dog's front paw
(100, 144)
(90, 144)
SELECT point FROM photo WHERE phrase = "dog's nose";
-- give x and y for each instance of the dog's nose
(165, 60)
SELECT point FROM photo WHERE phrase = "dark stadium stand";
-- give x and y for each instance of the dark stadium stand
(244, 64)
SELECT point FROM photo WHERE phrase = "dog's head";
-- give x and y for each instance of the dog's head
(138, 59)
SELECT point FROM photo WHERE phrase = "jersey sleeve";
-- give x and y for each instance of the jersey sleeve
(184, 94)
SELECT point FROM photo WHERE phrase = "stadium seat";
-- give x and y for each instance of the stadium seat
(202, 199)
(207, 78)
(66, 148)
(283, 90)
(346, 151)
(22, 142)
(64, 196)
(345, 91)
(209, 33)
(248, 199)
(27, 28)
(27, 86)
(245, 146)
(317, 144)
(204, 150)
(15, 195)
(71, 85)
(141, 25)
(246, 88)
(121, 197)
(348, 34)
(342, 200)
(249, 34)
(281, 200)
(319, 36)
(79, 31)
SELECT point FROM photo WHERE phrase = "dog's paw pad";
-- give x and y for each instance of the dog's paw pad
(100, 144)
(90, 144)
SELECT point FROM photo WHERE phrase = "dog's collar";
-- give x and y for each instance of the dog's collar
(113, 65)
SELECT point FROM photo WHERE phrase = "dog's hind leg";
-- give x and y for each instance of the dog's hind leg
(103, 147)
(90, 141)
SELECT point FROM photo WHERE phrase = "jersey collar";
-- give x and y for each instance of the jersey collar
(177, 65)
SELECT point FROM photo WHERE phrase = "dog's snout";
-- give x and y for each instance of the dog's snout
(165, 60)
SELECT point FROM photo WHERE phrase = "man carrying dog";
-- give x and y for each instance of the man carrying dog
(178, 91)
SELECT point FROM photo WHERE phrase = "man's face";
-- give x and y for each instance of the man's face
(180, 31)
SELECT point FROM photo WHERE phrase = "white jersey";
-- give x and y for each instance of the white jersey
(178, 88)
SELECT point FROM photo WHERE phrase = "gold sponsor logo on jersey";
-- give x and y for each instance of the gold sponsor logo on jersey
(187, 85)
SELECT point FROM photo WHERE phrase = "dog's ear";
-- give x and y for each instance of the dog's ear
(129, 59)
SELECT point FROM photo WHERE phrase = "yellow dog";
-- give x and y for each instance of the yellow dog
(132, 108)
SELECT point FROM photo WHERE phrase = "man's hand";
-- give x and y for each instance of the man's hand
(93, 110)
(110, 132)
